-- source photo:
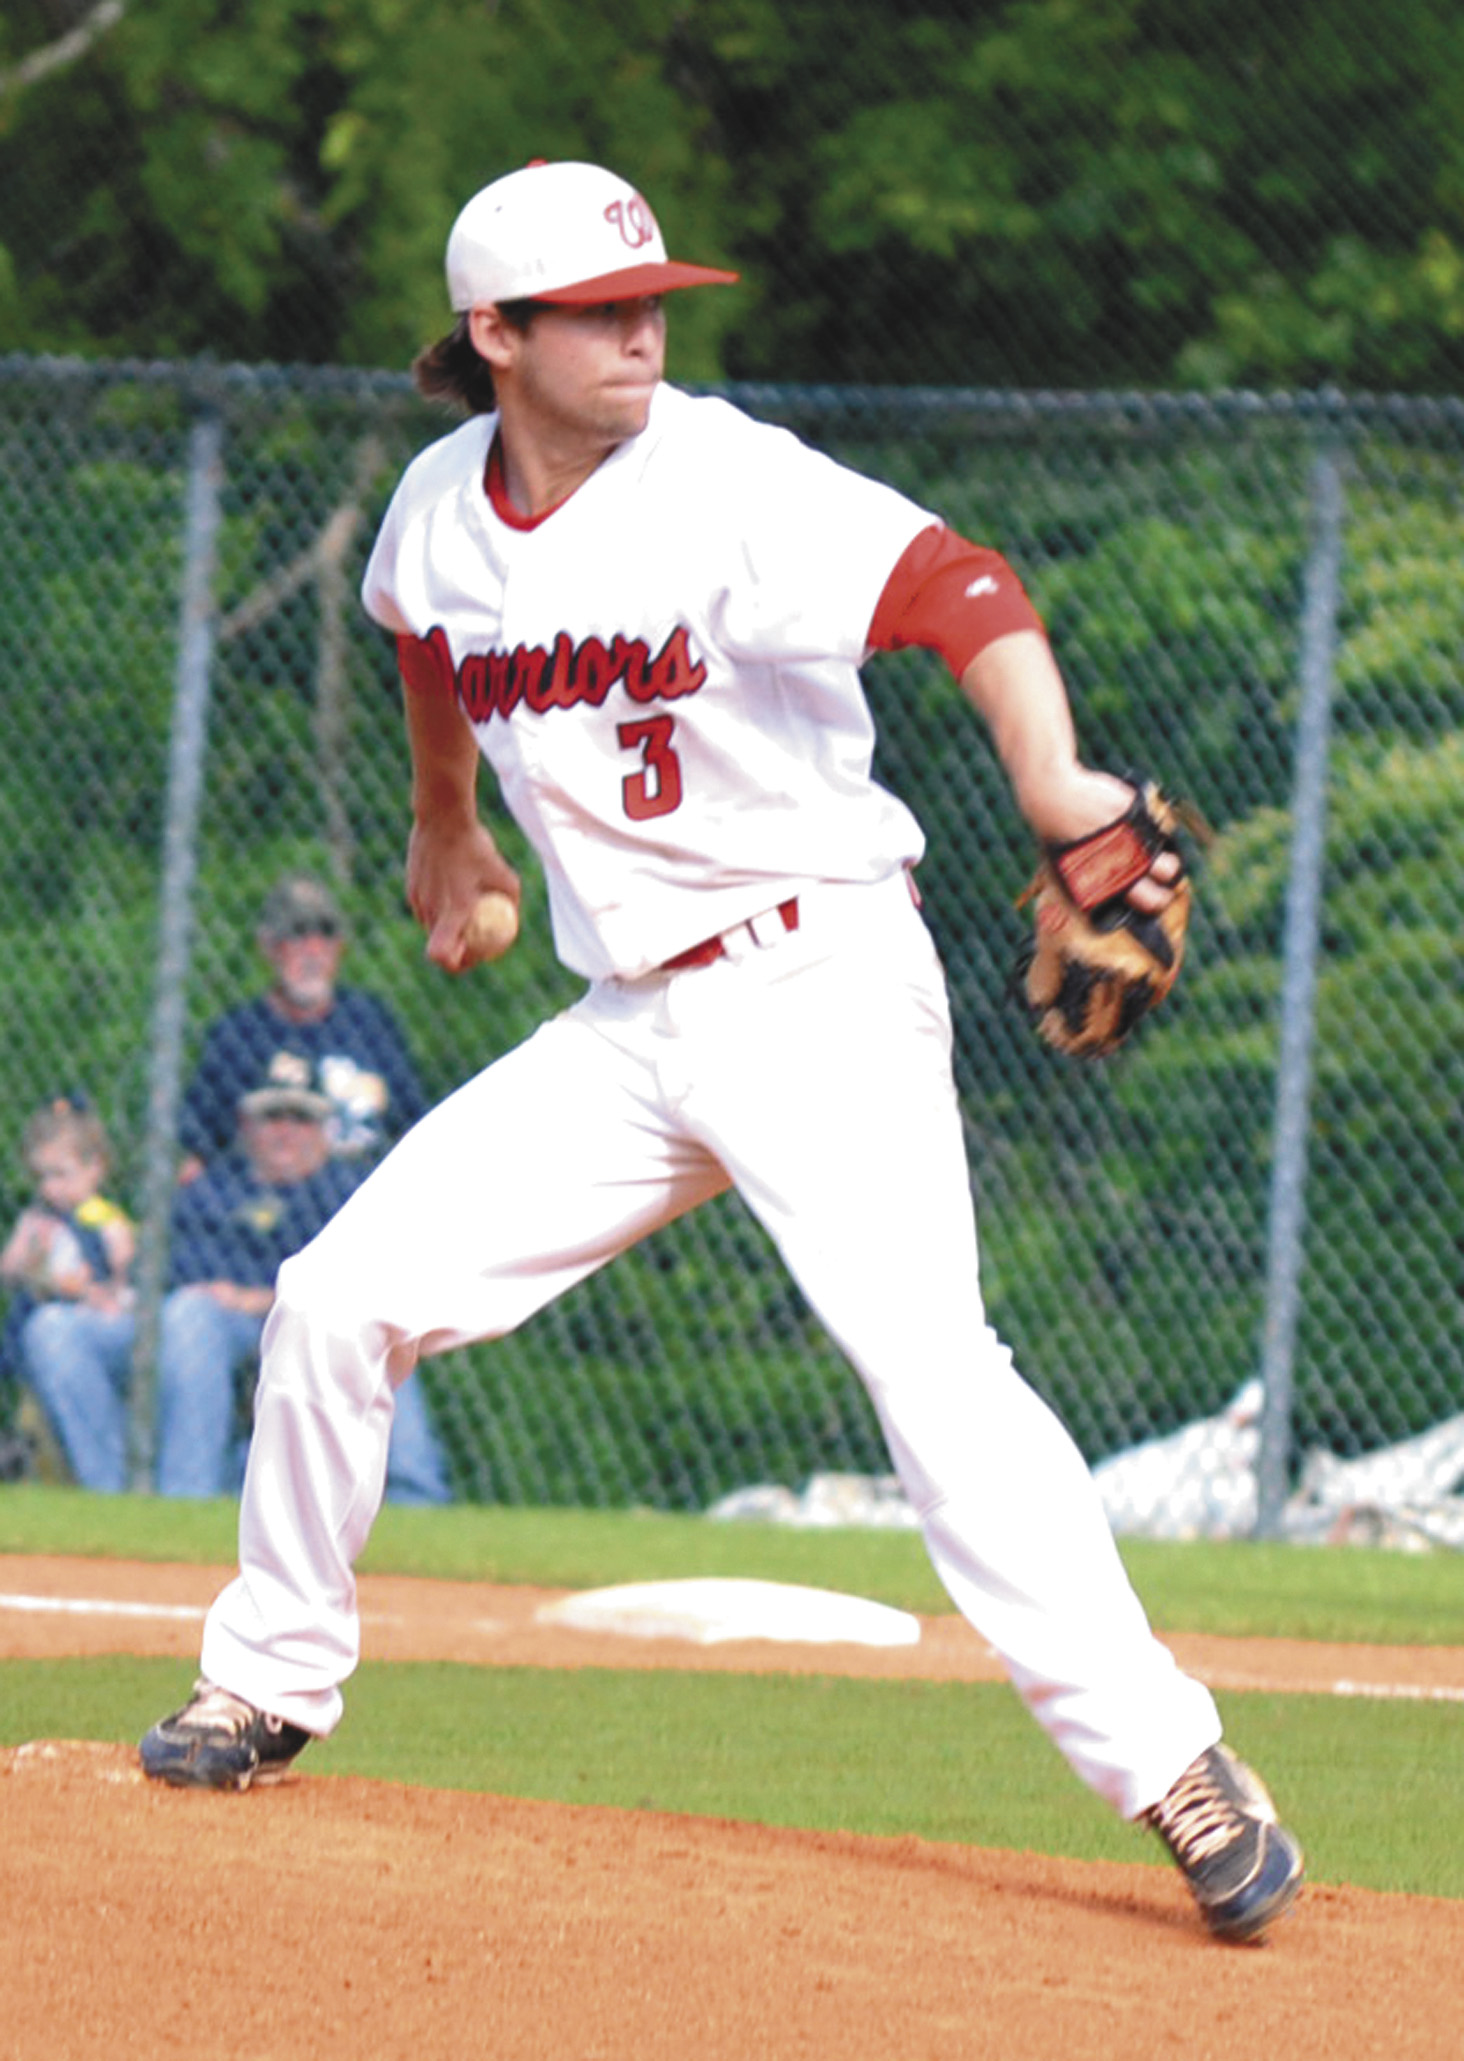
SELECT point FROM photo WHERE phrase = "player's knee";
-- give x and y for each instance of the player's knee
(309, 1291)
(325, 1313)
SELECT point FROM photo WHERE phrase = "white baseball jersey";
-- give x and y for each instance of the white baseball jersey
(663, 671)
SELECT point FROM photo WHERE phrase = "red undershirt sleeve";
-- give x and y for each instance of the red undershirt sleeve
(950, 597)
(944, 595)
(425, 666)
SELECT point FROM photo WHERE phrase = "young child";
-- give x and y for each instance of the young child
(68, 1257)
(72, 1243)
(231, 1228)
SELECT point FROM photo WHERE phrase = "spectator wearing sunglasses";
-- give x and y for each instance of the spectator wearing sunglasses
(305, 1032)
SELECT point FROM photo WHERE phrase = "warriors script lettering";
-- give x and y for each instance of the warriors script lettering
(495, 683)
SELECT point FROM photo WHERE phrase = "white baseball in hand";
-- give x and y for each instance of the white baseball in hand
(493, 925)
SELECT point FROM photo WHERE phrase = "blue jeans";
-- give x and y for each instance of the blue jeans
(79, 1361)
(201, 1347)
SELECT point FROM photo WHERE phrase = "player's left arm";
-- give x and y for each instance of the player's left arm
(966, 603)
(1016, 685)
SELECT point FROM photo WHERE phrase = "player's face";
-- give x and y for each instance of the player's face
(588, 374)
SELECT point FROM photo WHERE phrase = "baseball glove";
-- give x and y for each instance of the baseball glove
(1097, 965)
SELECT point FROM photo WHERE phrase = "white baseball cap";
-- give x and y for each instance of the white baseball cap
(562, 232)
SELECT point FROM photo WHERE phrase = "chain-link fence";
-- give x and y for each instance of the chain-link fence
(1257, 599)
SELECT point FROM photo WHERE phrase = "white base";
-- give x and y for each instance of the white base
(713, 1610)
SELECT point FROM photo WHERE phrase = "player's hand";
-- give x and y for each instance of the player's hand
(448, 871)
(1077, 800)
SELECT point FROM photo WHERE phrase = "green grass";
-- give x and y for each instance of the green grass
(1240, 1588)
(1363, 1594)
(1371, 1785)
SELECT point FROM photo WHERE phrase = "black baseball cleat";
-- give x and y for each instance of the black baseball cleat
(1244, 1868)
(218, 1741)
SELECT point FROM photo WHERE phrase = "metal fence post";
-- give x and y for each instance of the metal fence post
(187, 745)
(1287, 1221)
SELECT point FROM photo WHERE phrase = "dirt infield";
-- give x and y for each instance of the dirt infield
(332, 1917)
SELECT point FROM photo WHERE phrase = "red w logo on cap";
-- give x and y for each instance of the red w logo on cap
(634, 220)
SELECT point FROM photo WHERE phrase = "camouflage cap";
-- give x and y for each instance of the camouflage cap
(279, 1098)
(298, 905)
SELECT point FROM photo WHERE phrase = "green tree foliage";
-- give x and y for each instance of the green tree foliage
(1123, 191)
(1032, 193)
(276, 181)
(1194, 1107)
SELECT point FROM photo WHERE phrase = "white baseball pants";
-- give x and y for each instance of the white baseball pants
(813, 1072)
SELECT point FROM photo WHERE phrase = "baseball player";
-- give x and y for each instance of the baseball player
(647, 612)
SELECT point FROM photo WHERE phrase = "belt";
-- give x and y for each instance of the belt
(713, 948)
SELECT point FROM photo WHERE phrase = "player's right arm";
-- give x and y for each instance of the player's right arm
(451, 856)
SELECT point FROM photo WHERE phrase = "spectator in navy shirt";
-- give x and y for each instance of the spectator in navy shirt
(232, 1227)
(305, 1032)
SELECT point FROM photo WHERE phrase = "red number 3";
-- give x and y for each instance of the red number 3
(656, 789)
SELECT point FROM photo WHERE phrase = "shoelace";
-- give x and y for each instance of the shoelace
(1197, 1818)
(215, 1707)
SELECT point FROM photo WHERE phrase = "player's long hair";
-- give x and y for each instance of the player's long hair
(452, 371)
